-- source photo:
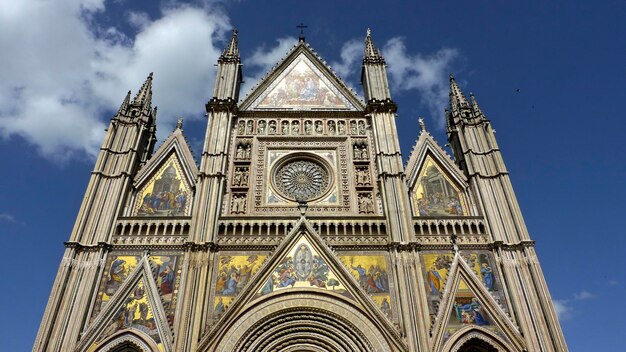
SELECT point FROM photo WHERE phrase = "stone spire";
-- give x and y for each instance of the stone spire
(144, 96)
(125, 104)
(474, 103)
(372, 54)
(231, 53)
(457, 99)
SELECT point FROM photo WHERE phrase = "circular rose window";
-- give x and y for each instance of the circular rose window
(301, 178)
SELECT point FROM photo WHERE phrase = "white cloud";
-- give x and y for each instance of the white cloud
(61, 75)
(562, 308)
(583, 295)
(7, 217)
(351, 55)
(428, 74)
(565, 307)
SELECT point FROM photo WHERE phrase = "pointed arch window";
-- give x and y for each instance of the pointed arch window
(436, 194)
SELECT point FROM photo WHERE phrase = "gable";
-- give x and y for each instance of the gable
(166, 193)
(302, 82)
(435, 194)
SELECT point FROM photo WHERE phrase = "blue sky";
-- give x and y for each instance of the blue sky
(549, 76)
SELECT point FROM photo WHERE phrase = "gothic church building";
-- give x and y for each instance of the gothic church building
(300, 229)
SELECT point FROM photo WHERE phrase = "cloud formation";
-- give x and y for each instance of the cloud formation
(565, 307)
(425, 73)
(62, 79)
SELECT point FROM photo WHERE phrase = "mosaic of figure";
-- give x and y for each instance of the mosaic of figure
(166, 194)
(136, 314)
(118, 267)
(167, 276)
(436, 194)
(301, 87)
(233, 273)
(467, 310)
(371, 273)
(303, 267)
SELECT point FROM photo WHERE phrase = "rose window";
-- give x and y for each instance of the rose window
(301, 179)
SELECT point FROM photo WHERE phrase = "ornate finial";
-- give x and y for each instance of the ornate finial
(372, 55)
(179, 123)
(457, 99)
(455, 246)
(420, 120)
(144, 96)
(125, 103)
(301, 26)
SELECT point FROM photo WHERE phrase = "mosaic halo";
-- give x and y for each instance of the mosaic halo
(301, 178)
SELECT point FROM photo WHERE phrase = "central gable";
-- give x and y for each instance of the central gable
(301, 82)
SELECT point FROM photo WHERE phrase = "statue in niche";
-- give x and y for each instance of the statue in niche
(295, 127)
(364, 154)
(248, 151)
(272, 127)
(285, 128)
(362, 176)
(366, 205)
(319, 128)
(244, 177)
(353, 129)
(240, 154)
(341, 127)
(249, 127)
(361, 127)
(237, 177)
(261, 128)
(242, 127)
(238, 204)
(308, 127)
(331, 128)
(356, 152)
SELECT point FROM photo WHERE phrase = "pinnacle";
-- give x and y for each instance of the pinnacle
(457, 99)
(145, 93)
(232, 51)
(372, 54)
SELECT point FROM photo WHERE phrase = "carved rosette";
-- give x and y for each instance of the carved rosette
(301, 179)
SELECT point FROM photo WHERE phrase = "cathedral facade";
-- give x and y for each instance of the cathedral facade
(301, 229)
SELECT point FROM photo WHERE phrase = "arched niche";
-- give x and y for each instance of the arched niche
(302, 320)
(128, 341)
(477, 339)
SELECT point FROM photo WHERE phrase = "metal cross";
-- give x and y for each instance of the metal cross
(301, 26)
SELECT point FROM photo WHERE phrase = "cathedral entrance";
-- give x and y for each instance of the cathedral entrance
(303, 322)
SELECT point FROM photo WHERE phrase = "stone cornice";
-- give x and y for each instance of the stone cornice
(217, 105)
(375, 105)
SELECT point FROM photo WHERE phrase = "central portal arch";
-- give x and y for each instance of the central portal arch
(304, 321)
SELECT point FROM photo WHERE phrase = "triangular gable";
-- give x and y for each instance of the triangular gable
(174, 144)
(136, 307)
(467, 304)
(302, 81)
(438, 187)
(269, 274)
(165, 183)
(302, 266)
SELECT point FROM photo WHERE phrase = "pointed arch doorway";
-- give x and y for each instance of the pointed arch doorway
(303, 321)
